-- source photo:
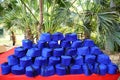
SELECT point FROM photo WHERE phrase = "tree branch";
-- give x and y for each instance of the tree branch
(29, 10)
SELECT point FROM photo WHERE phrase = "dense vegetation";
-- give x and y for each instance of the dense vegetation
(96, 19)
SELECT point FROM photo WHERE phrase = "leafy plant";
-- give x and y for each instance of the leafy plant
(97, 19)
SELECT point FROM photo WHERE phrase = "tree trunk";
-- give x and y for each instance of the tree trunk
(41, 17)
(28, 34)
(87, 34)
(13, 37)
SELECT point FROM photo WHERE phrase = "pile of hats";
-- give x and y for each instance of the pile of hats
(58, 54)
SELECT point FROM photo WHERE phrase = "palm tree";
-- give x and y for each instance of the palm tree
(97, 18)
(81, 16)
(12, 17)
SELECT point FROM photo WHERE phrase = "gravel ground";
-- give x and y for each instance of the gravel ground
(115, 58)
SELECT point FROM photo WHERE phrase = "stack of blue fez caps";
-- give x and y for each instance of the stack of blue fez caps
(58, 54)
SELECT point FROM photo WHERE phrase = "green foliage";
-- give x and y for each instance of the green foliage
(15, 15)
(55, 14)
(95, 18)
(108, 30)
(98, 18)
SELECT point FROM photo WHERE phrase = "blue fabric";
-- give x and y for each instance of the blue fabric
(65, 55)
(41, 44)
(87, 69)
(39, 61)
(103, 69)
(112, 68)
(79, 60)
(46, 52)
(20, 52)
(53, 44)
(71, 52)
(5, 68)
(71, 36)
(57, 36)
(17, 70)
(33, 52)
(76, 69)
(96, 68)
(54, 60)
(67, 37)
(103, 58)
(25, 61)
(88, 43)
(76, 44)
(45, 37)
(27, 44)
(83, 51)
(58, 52)
(35, 45)
(47, 70)
(32, 71)
(60, 69)
(12, 60)
(65, 60)
(65, 44)
(95, 50)
(91, 67)
(90, 59)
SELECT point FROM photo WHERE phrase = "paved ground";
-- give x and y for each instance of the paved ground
(5, 40)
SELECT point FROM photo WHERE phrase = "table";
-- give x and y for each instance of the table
(3, 58)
